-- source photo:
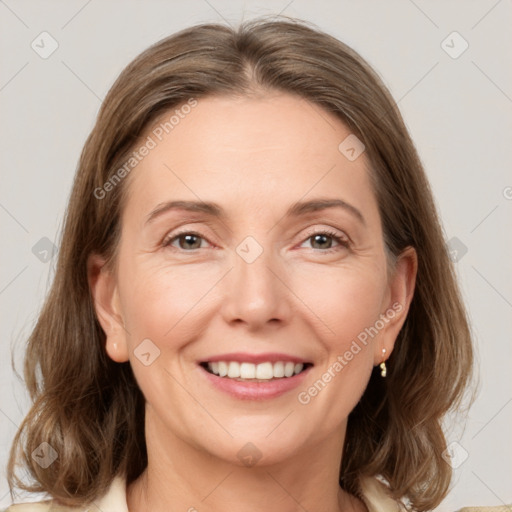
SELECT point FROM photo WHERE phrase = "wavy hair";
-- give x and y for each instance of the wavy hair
(90, 409)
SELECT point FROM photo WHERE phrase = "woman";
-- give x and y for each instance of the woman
(301, 352)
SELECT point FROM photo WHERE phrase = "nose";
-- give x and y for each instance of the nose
(256, 293)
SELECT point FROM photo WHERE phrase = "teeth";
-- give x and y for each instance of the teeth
(247, 371)
(262, 371)
(234, 370)
(288, 369)
(265, 371)
(223, 368)
(279, 369)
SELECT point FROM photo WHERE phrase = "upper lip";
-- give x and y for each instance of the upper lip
(242, 357)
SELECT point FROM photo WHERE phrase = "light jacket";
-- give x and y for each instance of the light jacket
(374, 496)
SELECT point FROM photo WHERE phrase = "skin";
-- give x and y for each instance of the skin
(254, 157)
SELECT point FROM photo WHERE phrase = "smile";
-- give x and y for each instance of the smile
(245, 371)
(246, 376)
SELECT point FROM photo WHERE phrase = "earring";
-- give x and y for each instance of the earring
(383, 369)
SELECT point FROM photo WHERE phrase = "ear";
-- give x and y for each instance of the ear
(105, 295)
(396, 304)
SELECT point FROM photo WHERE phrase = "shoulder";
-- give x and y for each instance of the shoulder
(40, 506)
(47, 506)
(498, 508)
(377, 499)
(374, 494)
(113, 501)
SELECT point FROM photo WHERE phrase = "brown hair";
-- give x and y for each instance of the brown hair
(90, 409)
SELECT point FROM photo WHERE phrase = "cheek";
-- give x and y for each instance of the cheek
(348, 306)
(160, 301)
(348, 302)
(161, 304)
(345, 300)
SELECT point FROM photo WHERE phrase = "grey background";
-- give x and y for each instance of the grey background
(458, 111)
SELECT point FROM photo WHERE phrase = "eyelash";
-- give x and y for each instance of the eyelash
(342, 241)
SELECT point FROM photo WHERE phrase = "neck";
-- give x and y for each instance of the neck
(183, 477)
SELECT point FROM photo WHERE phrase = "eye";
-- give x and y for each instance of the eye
(322, 238)
(190, 240)
(187, 240)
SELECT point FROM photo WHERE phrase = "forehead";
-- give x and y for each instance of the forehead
(252, 152)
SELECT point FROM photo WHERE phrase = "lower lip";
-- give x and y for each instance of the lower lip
(255, 390)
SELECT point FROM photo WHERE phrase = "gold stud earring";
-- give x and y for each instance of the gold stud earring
(383, 369)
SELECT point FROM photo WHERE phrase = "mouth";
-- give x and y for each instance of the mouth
(246, 376)
(266, 371)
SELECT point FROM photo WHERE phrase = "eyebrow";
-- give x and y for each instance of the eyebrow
(295, 210)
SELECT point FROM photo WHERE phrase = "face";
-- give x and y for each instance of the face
(250, 281)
